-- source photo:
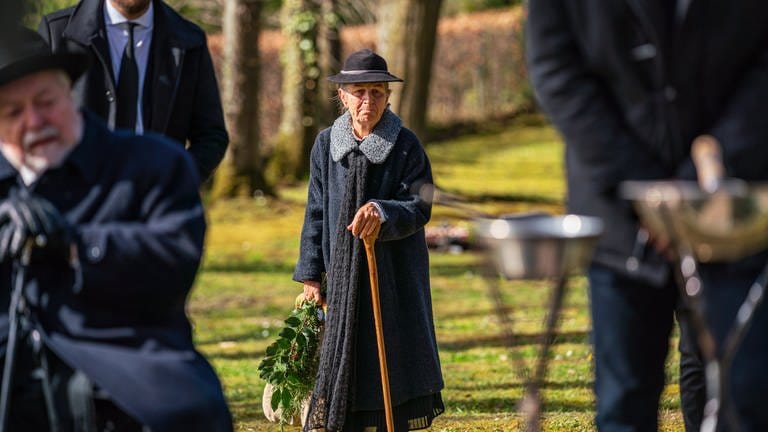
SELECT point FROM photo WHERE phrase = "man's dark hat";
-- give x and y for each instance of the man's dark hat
(23, 51)
(363, 66)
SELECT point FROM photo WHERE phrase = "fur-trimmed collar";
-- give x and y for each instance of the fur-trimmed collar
(375, 147)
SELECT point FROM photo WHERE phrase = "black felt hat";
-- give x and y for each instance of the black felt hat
(23, 51)
(364, 66)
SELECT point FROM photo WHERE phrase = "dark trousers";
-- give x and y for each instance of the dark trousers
(631, 325)
(725, 288)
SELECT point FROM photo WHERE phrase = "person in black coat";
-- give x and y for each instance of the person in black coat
(631, 84)
(179, 97)
(365, 178)
(101, 236)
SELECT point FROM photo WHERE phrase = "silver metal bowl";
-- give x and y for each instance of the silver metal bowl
(725, 225)
(539, 246)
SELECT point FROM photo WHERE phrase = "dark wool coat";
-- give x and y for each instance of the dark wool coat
(139, 227)
(181, 96)
(629, 97)
(399, 166)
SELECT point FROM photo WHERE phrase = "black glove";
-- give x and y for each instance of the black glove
(33, 221)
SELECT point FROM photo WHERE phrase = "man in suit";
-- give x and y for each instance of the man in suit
(631, 84)
(163, 81)
(101, 236)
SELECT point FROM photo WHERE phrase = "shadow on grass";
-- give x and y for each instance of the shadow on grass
(578, 337)
(238, 337)
(508, 198)
(226, 265)
(509, 404)
(255, 355)
(547, 385)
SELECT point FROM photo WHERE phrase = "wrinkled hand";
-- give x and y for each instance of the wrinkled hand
(366, 221)
(312, 291)
(33, 221)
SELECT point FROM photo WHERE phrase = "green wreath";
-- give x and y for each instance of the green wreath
(291, 362)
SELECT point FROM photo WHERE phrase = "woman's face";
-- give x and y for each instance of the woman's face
(366, 103)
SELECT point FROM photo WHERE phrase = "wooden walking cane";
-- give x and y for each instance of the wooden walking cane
(373, 272)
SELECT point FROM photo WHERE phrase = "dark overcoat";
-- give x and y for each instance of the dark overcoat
(134, 205)
(181, 95)
(398, 168)
(603, 72)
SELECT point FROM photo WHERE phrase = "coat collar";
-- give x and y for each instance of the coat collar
(376, 146)
(87, 24)
(649, 13)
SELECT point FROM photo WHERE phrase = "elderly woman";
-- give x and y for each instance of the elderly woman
(366, 171)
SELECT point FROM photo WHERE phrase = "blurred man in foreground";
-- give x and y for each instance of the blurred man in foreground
(103, 233)
(631, 85)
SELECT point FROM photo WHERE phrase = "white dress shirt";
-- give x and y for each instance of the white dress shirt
(117, 34)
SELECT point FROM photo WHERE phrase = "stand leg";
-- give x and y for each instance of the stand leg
(17, 304)
(531, 405)
(716, 370)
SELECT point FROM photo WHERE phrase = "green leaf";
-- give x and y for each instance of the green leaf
(277, 395)
(286, 400)
(301, 340)
(293, 321)
(288, 333)
(272, 349)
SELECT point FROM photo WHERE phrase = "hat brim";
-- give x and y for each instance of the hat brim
(364, 77)
(74, 64)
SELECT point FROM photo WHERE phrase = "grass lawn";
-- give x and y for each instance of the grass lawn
(245, 291)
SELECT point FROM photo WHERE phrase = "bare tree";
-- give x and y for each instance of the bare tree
(407, 31)
(241, 171)
(301, 71)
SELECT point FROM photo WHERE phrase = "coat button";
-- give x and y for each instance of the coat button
(110, 97)
(94, 252)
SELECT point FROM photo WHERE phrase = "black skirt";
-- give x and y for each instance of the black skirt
(414, 414)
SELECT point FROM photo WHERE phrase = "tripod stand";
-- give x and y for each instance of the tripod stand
(17, 312)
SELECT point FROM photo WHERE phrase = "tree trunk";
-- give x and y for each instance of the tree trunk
(407, 34)
(298, 123)
(329, 44)
(241, 171)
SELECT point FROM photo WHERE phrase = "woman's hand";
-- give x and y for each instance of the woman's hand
(312, 292)
(366, 221)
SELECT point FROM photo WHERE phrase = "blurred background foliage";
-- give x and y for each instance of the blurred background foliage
(207, 13)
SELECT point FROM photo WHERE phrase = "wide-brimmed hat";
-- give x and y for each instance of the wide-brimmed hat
(364, 66)
(23, 51)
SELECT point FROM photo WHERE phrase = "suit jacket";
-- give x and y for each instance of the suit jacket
(181, 96)
(138, 222)
(630, 84)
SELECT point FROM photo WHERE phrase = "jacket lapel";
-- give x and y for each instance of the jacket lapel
(86, 27)
(651, 18)
(167, 59)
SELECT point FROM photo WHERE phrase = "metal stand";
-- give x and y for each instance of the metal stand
(716, 369)
(16, 311)
(531, 403)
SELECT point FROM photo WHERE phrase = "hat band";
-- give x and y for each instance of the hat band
(360, 72)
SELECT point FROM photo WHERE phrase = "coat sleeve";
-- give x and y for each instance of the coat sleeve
(311, 264)
(208, 138)
(150, 263)
(578, 102)
(407, 211)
